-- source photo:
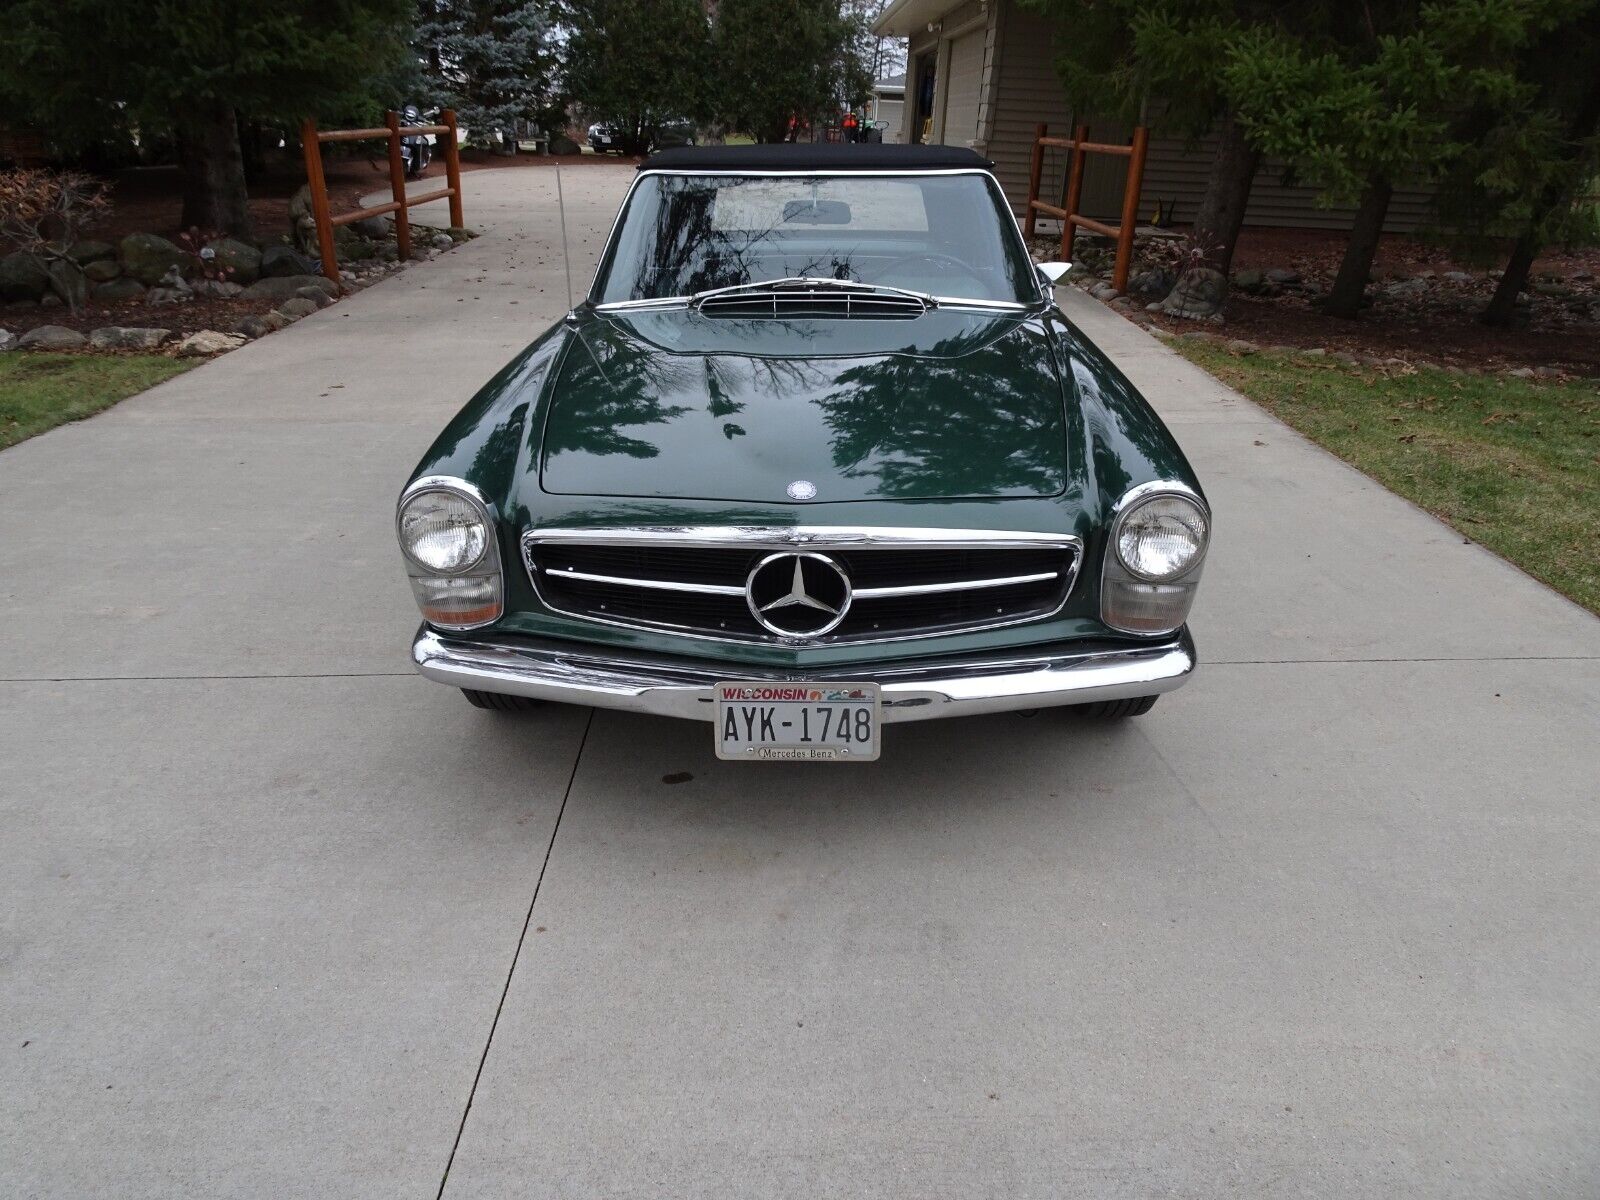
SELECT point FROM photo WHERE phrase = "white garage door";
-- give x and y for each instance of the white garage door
(965, 75)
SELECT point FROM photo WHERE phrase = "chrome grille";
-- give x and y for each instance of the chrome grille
(900, 583)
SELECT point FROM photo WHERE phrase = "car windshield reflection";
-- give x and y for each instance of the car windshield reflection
(937, 235)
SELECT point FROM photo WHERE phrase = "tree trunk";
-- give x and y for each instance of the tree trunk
(1503, 304)
(1221, 212)
(1359, 251)
(214, 195)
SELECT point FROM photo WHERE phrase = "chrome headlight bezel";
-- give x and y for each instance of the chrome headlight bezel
(442, 594)
(1137, 602)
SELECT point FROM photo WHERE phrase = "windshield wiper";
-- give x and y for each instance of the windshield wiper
(806, 283)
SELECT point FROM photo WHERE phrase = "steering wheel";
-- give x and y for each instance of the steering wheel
(935, 265)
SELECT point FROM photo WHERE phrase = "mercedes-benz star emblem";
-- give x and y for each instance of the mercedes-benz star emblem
(802, 489)
(797, 594)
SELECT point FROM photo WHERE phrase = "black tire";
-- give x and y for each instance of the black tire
(1116, 710)
(499, 701)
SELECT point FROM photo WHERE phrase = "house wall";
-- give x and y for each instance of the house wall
(1018, 89)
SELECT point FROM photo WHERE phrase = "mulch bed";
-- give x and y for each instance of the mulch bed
(1438, 324)
(148, 200)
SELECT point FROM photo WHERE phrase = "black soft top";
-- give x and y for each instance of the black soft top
(827, 157)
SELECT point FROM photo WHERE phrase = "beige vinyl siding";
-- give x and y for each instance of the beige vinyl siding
(1026, 92)
(963, 89)
(1175, 173)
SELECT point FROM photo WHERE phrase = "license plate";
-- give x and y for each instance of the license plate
(800, 722)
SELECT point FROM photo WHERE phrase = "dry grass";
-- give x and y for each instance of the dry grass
(40, 391)
(1513, 464)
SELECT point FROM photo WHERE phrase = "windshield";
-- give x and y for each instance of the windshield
(947, 235)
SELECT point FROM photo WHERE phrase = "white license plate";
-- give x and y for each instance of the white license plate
(797, 722)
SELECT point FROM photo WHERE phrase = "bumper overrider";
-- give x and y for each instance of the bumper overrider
(673, 687)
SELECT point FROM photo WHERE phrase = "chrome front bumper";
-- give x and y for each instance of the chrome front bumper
(953, 687)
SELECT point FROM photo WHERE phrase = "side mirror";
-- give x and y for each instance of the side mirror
(1053, 272)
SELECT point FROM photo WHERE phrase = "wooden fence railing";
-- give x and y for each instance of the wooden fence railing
(1071, 217)
(312, 138)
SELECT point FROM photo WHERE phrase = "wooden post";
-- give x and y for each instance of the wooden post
(1130, 208)
(1034, 172)
(452, 167)
(397, 186)
(312, 145)
(1069, 226)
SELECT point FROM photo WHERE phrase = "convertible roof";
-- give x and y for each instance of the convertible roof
(847, 156)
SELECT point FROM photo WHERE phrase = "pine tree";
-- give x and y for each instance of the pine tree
(638, 64)
(1163, 61)
(782, 63)
(1378, 101)
(77, 67)
(493, 61)
(1531, 155)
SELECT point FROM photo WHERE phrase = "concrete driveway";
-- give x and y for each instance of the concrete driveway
(279, 918)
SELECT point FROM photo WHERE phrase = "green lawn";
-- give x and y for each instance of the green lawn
(40, 391)
(1513, 464)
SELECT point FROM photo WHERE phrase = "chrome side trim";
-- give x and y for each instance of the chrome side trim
(958, 585)
(574, 673)
(664, 585)
(815, 537)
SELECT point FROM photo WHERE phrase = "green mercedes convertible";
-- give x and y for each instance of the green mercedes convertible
(817, 453)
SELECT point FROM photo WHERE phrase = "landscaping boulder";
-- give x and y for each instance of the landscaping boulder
(223, 289)
(562, 144)
(253, 327)
(460, 233)
(1197, 296)
(285, 260)
(148, 256)
(102, 270)
(241, 260)
(67, 281)
(1283, 276)
(316, 295)
(117, 291)
(52, 337)
(208, 342)
(296, 307)
(376, 228)
(1248, 280)
(23, 276)
(8, 340)
(355, 250)
(282, 287)
(84, 253)
(442, 241)
(120, 337)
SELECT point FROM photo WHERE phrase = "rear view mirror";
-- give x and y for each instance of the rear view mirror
(816, 212)
(1054, 272)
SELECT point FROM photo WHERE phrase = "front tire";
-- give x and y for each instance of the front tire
(499, 701)
(1116, 710)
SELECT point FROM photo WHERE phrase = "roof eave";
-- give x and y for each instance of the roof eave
(907, 18)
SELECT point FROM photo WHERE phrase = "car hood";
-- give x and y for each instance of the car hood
(951, 405)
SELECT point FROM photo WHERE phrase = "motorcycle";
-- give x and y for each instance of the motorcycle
(416, 149)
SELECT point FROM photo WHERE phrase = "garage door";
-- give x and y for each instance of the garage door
(963, 90)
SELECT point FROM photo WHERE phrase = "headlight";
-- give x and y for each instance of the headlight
(448, 541)
(1162, 537)
(443, 531)
(1153, 560)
